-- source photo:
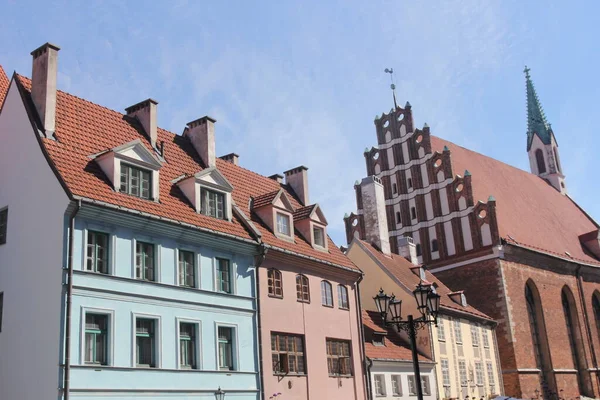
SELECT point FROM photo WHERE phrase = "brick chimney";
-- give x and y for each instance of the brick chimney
(145, 112)
(232, 158)
(408, 249)
(43, 84)
(374, 215)
(201, 133)
(297, 178)
(277, 177)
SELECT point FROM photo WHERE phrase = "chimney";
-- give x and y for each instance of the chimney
(297, 178)
(408, 249)
(201, 133)
(145, 112)
(374, 215)
(277, 177)
(43, 84)
(232, 158)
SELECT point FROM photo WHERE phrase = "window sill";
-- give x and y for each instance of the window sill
(340, 376)
(344, 308)
(275, 296)
(328, 306)
(303, 301)
(289, 374)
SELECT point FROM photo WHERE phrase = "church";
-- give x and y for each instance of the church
(524, 252)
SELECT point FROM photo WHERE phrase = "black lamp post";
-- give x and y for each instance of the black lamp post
(428, 304)
(219, 394)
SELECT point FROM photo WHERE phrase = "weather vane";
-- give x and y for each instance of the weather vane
(392, 86)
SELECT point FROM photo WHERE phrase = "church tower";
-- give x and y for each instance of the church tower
(542, 148)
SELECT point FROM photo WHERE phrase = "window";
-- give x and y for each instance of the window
(441, 334)
(319, 236)
(187, 269)
(338, 357)
(572, 326)
(3, 225)
(1, 308)
(144, 261)
(412, 388)
(425, 386)
(533, 323)
(343, 297)
(445, 372)
(479, 374)
(595, 306)
(486, 339)
(226, 362)
(491, 380)
(462, 372)
(283, 224)
(288, 354)
(274, 283)
(434, 245)
(379, 380)
(326, 294)
(223, 275)
(413, 213)
(409, 181)
(539, 158)
(394, 188)
(457, 331)
(302, 289)
(396, 385)
(96, 343)
(187, 345)
(135, 181)
(97, 252)
(419, 251)
(213, 204)
(398, 217)
(475, 335)
(378, 339)
(145, 342)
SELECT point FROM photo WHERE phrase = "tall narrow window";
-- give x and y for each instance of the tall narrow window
(419, 250)
(187, 345)
(213, 204)
(339, 361)
(144, 258)
(145, 342)
(394, 188)
(572, 326)
(302, 289)
(187, 269)
(283, 224)
(445, 372)
(343, 297)
(274, 283)
(396, 385)
(434, 245)
(97, 252)
(223, 275)
(536, 327)
(457, 331)
(596, 307)
(491, 380)
(135, 181)
(319, 236)
(441, 333)
(409, 183)
(539, 158)
(479, 374)
(379, 380)
(3, 225)
(226, 362)
(486, 339)
(287, 354)
(326, 294)
(475, 335)
(413, 213)
(425, 386)
(96, 339)
(398, 217)
(462, 372)
(1, 308)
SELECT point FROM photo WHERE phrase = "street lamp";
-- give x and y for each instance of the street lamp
(428, 304)
(219, 394)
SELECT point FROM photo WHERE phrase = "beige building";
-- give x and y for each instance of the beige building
(463, 345)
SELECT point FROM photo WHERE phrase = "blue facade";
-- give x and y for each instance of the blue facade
(121, 299)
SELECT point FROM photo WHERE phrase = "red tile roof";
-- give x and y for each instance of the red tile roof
(400, 267)
(84, 128)
(264, 199)
(394, 349)
(4, 82)
(303, 212)
(528, 209)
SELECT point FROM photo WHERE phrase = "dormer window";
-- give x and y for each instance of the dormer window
(209, 193)
(319, 236)
(283, 224)
(213, 203)
(378, 339)
(311, 223)
(135, 181)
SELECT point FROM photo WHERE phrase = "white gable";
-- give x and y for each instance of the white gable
(212, 177)
(136, 151)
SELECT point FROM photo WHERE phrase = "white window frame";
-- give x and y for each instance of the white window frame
(157, 342)
(289, 224)
(198, 344)
(457, 331)
(464, 383)
(157, 254)
(226, 201)
(485, 338)
(398, 379)
(425, 378)
(475, 335)
(112, 245)
(447, 370)
(110, 351)
(197, 260)
(441, 328)
(381, 385)
(323, 236)
(477, 380)
(236, 344)
(232, 272)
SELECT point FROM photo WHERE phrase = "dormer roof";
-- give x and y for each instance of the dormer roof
(213, 177)
(133, 151)
(277, 198)
(4, 82)
(312, 212)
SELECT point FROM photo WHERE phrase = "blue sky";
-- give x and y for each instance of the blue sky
(300, 83)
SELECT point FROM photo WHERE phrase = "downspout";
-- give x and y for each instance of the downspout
(369, 363)
(587, 323)
(67, 382)
(361, 336)
(260, 259)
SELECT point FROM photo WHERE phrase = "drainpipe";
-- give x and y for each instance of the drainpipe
(361, 336)
(67, 382)
(587, 322)
(369, 363)
(260, 259)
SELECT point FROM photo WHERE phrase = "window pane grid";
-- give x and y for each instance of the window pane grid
(343, 297)
(274, 283)
(187, 345)
(145, 261)
(97, 252)
(319, 236)
(187, 267)
(338, 357)
(283, 224)
(440, 330)
(457, 331)
(225, 348)
(135, 181)
(96, 339)
(326, 294)
(302, 289)
(287, 354)
(145, 342)
(213, 203)
(223, 275)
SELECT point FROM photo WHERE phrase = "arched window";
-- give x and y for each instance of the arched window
(302, 289)
(539, 342)
(596, 307)
(434, 245)
(539, 158)
(326, 294)
(275, 284)
(343, 297)
(572, 325)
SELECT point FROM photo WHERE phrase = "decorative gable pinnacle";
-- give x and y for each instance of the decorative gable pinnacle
(536, 118)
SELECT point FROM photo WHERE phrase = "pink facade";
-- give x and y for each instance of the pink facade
(314, 323)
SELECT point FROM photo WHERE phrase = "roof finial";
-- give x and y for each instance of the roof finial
(392, 86)
(526, 70)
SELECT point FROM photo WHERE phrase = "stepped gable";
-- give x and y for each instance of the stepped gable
(4, 82)
(528, 209)
(84, 128)
(401, 268)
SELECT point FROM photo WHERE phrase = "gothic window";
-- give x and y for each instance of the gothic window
(394, 188)
(596, 307)
(539, 158)
(274, 283)
(434, 245)
(536, 324)
(413, 212)
(572, 325)
(398, 219)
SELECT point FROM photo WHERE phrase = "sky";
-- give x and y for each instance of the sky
(300, 83)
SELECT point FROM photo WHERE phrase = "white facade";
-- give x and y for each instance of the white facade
(390, 379)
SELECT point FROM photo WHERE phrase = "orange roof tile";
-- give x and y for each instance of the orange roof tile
(528, 209)
(399, 267)
(84, 128)
(264, 199)
(394, 346)
(303, 212)
(4, 82)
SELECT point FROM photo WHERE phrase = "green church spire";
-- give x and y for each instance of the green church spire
(536, 119)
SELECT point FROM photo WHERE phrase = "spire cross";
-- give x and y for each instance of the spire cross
(526, 70)
(392, 86)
